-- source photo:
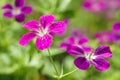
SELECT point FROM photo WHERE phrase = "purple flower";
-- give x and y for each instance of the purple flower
(97, 57)
(18, 11)
(94, 5)
(43, 31)
(76, 39)
(112, 6)
(108, 7)
(116, 28)
(104, 37)
(116, 32)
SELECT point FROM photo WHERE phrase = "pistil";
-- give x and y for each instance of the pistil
(91, 53)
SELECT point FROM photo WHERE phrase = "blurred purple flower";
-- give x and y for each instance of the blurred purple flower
(76, 39)
(94, 5)
(108, 7)
(104, 37)
(18, 11)
(112, 6)
(97, 57)
(116, 32)
(76, 33)
(42, 31)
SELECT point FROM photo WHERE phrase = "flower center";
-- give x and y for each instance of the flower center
(16, 11)
(90, 56)
(42, 31)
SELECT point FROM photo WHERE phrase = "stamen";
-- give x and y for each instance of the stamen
(91, 53)
(40, 27)
(16, 11)
(41, 31)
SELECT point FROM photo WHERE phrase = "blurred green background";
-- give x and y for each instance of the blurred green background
(27, 63)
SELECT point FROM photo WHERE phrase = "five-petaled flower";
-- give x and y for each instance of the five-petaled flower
(97, 57)
(43, 31)
(75, 39)
(18, 11)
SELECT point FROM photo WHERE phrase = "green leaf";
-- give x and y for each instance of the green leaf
(35, 62)
(6, 64)
(63, 5)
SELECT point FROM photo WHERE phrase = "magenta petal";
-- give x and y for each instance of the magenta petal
(70, 40)
(44, 42)
(26, 38)
(57, 28)
(116, 26)
(7, 6)
(103, 52)
(67, 21)
(101, 64)
(19, 3)
(64, 45)
(46, 20)
(75, 50)
(8, 14)
(100, 6)
(116, 31)
(67, 42)
(87, 49)
(20, 18)
(76, 32)
(31, 25)
(87, 5)
(82, 63)
(27, 9)
(83, 40)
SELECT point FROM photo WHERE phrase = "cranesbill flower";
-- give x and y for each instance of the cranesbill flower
(43, 31)
(97, 57)
(18, 11)
(116, 32)
(104, 37)
(94, 5)
(75, 39)
(77, 33)
(108, 7)
(112, 6)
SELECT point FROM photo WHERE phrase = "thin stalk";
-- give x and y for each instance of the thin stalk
(52, 62)
(68, 73)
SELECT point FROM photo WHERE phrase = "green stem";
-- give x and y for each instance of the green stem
(59, 78)
(51, 59)
(68, 73)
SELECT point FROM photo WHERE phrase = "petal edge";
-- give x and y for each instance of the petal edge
(101, 64)
(82, 63)
(26, 38)
(44, 42)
